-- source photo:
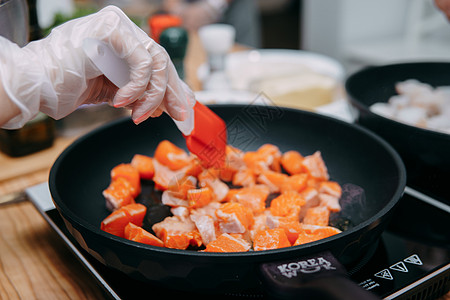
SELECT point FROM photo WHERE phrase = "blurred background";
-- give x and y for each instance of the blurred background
(355, 32)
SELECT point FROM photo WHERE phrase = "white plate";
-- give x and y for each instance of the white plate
(338, 109)
(245, 67)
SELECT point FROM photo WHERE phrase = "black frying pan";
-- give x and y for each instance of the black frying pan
(371, 171)
(424, 152)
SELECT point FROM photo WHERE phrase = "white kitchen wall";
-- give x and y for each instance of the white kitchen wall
(367, 32)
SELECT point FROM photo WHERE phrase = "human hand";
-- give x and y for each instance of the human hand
(53, 75)
(444, 6)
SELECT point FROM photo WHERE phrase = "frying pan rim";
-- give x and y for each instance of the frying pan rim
(357, 102)
(74, 219)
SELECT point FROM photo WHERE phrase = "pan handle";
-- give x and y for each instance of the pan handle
(320, 276)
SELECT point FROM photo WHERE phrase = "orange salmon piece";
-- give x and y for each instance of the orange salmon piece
(311, 196)
(318, 215)
(164, 176)
(234, 217)
(181, 184)
(233, 162)
(115, 223)
(297, 183)
(314, 233)
(144, 165)
(227, 243)
(330, 202)
(252, 197)
(315, 166)
(194, 168)
(331, 188)
(140, 235)
(273, 180)
(210, 178)
(270, 239)
(291, 161)
(171, 155)
(256, 162)
(128, 172)
(137, 212)
(291, 226)
(288, 204)
(118, 193)
(206, 227)
(199, 197)
(273, 154)
(177, 233)
(244, 177)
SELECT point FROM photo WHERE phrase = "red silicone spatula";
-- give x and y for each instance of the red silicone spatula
(204, 131)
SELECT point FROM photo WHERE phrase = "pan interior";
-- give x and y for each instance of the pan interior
(369, 170)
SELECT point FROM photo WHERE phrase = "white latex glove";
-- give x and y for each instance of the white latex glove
(53, 75)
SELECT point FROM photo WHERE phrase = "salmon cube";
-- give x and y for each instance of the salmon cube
(171, 156)
(297, 183)
(118, 193)
(180, 184)
(115, 223)
(244, 177)
(128, 172)
(311, 233)
(291, 226)
(164, 176)
(210, 178)
(291, 161)
(273, 180)
(140, 235)
(137, 212)
(177, 233)
(252, 197)
(144, 165)
(228, 243)
(331, 188)
(331, 202)
(273, 156)
(199, 197)
(288, 204)
(311, 196)
(234, 218)
(170, 198)
(256, 162)
(318, 215)
(270, 239)
(315, 166)
(206, 227)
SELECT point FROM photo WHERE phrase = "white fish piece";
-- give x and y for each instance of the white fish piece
(413, 115)
(205, 226)
(383, 109)
(439, 122)
(412, 87)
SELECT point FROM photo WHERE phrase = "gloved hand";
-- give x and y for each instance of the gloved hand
(53, 75)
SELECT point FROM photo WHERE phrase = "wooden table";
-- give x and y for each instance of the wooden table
(34, 261)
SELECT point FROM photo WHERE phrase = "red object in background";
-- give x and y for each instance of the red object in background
(158, 23)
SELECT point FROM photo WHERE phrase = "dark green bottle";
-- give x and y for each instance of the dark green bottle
(174, 40)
